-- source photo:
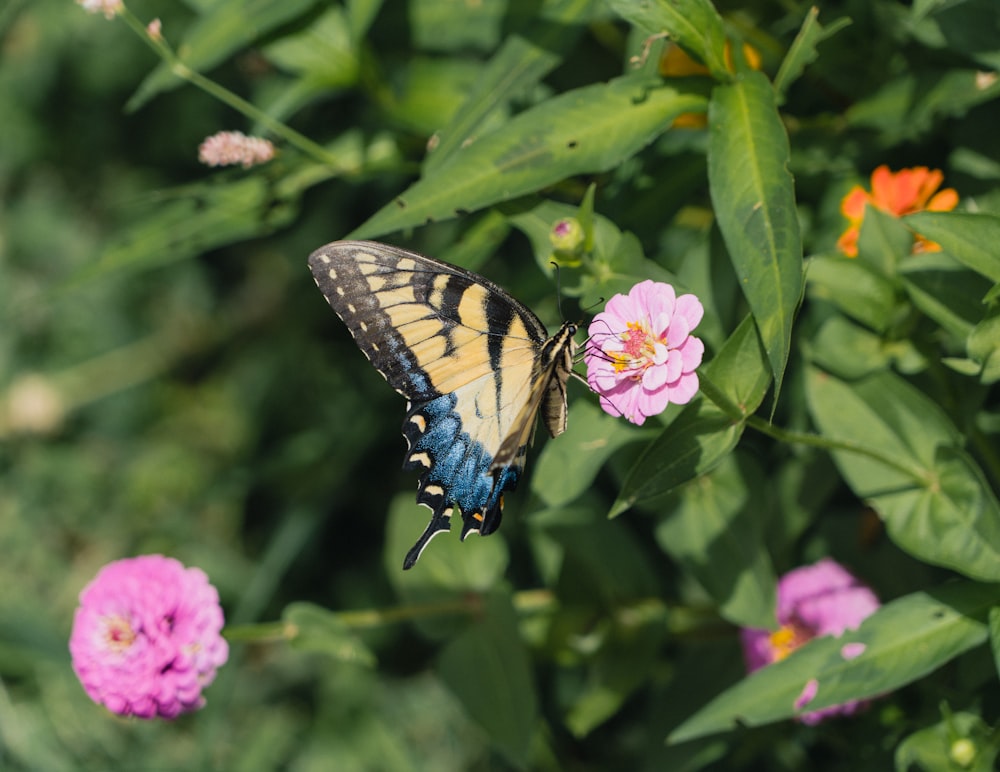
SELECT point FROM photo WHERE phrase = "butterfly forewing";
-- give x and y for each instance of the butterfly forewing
(474, 364)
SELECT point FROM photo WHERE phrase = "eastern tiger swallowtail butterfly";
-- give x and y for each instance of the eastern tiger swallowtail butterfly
(474, 364)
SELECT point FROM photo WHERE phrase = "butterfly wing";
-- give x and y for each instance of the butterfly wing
(474, 364)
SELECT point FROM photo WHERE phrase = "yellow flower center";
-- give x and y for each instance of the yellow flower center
(639, 352)
(787, 639)
(118, 634)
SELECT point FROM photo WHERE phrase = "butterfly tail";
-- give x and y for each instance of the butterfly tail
(440, 521)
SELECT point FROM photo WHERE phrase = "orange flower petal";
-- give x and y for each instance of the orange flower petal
(848, 241)
(853, 204)
(943, 201)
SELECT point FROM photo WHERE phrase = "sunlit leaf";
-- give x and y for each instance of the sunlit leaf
(754, 201)
(933, 498)
(903, 641)
(590, 129)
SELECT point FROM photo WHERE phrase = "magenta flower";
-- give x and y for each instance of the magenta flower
(146, 637)
(821, 599)
(641, 355)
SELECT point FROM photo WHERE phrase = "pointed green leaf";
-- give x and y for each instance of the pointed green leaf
(970, 238)
(590, 129)
(488, 668)
(694, 24)
(903, 641)
(948, 292)
(934, 500)
(855, 288)
(754, 199)
(803, 49)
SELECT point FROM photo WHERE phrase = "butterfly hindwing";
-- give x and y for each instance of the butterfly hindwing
(474, 364)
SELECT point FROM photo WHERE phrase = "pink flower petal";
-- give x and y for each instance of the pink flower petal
(146, 637)
(808, 694)
(641, 350)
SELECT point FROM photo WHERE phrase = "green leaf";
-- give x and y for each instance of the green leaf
(430, 91)
(851, 351)
(934, 500)
(590, 129)
(983, 346)
(186, 222)
(970, 238)
(803, 50)
(698, 439)
(567, 466)
(754, 200)
(884, 241)
(855, 288)
(442, 25)
(522, 61)
(320, 630)
(217, 35)
(488, 669)
(946, 291)
(716, 534)
(322, 54)
(695, 25)
(903, 641)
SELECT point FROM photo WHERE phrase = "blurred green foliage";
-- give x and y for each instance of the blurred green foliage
(171, 381)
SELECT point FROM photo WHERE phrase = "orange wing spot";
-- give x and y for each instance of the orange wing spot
(477, 516)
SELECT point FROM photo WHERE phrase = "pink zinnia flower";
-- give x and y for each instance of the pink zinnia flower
(146, 637)
(226, 148)
(641, 355)
(821, 599)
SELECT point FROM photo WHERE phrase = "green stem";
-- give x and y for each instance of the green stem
(680, 621)
(819, 441)
(721, 400)
(224, 95)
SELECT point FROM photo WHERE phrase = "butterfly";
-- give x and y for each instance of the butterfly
(475, 365)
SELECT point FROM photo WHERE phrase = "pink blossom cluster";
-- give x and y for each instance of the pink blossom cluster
(227, 148)
(147, 637)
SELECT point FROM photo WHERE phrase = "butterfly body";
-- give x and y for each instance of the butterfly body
(475, 365)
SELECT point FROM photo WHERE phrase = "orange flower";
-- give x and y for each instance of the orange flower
(898, 194)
